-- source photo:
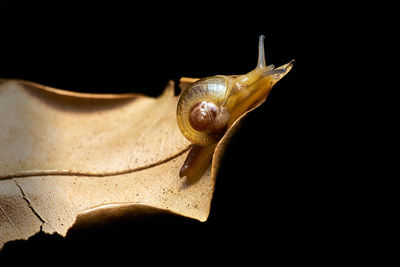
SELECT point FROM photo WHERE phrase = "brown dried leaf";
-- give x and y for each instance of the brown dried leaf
(71, 158)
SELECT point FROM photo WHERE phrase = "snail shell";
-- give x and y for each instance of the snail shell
(201, 112)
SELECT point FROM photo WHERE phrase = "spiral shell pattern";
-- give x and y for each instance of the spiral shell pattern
(197, 107)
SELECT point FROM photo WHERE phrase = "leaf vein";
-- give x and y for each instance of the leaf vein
(90, 174)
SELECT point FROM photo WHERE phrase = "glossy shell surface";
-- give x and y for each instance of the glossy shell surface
(212, 90)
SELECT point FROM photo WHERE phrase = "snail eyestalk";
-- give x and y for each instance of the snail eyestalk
(261, 52)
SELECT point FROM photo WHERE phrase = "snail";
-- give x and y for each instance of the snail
(209, 106)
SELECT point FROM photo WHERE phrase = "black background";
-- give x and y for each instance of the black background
(278, 195)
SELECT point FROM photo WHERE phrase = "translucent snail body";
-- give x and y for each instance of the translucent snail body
(209, 106)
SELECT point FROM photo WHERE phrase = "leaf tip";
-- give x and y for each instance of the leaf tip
(169, 89)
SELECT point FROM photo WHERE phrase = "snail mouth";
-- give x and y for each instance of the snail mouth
(263, 79)
(278, 73)
(254, 86)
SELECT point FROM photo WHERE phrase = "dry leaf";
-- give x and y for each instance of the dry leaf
(70, 158)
